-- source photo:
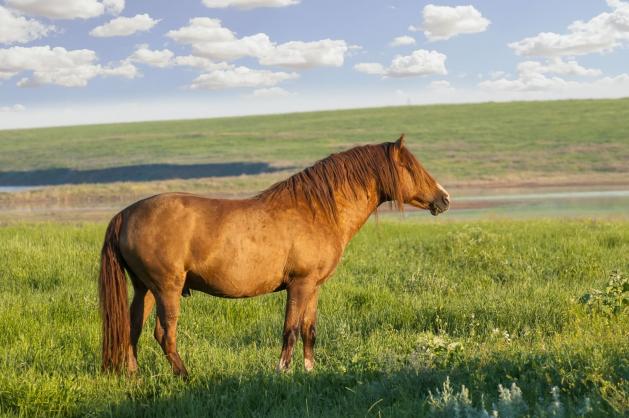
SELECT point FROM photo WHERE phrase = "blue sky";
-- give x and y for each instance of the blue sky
(91, 61)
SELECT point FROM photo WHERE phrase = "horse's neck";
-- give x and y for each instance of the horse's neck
(353, 211)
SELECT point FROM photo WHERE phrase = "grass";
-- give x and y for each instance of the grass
(414, 312)
(456, 142)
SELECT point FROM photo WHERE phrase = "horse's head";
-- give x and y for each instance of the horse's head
(417, 187)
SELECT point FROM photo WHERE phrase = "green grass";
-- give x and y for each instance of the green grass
(411, 305)
(456, 142)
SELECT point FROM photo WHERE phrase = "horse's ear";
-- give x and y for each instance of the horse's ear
(397, 147)
(400, 142)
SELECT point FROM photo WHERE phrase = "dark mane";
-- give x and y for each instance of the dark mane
(350, 171)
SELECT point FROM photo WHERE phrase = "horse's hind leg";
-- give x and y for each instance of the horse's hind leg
(141, 307)
(168, 313)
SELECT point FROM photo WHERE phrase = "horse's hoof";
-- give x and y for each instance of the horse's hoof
(183, 375)
(309, 365)
(282, 367)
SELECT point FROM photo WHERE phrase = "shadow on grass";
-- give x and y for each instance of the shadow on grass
(144, 172)
(295, 394)
(357, 392)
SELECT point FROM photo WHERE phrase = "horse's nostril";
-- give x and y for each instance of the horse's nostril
(446, 200)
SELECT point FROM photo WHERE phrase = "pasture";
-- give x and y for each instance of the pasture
(415, 311)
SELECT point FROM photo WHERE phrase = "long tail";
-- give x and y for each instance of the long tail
(112, 292)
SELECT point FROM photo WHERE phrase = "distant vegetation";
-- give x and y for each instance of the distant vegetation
(521, 318)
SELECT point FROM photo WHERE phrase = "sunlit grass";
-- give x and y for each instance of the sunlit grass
(483, 303)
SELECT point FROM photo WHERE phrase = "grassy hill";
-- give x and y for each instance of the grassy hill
(456, 142)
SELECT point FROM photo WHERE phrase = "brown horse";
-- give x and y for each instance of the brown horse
(291, 236)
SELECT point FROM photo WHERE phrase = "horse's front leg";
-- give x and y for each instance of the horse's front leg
(309, 329)
(298, 295)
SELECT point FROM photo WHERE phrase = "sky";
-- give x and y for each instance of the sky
(67, 62)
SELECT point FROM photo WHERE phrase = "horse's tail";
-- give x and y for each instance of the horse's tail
(112, 292)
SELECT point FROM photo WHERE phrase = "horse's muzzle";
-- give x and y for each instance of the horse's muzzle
(440, 204)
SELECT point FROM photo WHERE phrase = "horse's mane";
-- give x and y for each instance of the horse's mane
(350, 171)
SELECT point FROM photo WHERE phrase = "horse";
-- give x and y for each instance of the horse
(290, 237)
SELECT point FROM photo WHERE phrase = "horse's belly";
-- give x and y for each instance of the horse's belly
(242, 283)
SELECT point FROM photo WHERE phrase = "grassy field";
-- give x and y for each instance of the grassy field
(456, 142)
(414, 312)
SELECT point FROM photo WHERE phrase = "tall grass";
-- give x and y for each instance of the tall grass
(412, 308)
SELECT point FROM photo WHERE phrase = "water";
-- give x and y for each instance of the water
(522, 204)
(13, 189)
(590, 194)
(478, 204)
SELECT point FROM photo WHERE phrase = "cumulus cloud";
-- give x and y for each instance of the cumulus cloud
(114, 6)
(239, 77)
(402, 41)
(419, 62)
(18, 29)
(124, 26)
(443, 22)
(248, 4)
(534, 76)
(68, 68)
(210, 39)
(67, 9)
(200, 63)
(166, 58)
(297, 54)
(155, 58)
(557, 66)
(13, 108)
(603, 33)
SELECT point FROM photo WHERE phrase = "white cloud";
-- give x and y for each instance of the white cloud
(402, 40)
(248, 4)
(240, 77)
(557, 66)
(66, 9)
(271, 92)
(155, 58)
(57, 66)
(209, 39)
(200, 30)
(297, 54)
(200, 63)
(443, 22)
(533, 76)
(13, 108)
(114, 6)
(124, 26)
(603, 33)
(419, 62)
(18, 29)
